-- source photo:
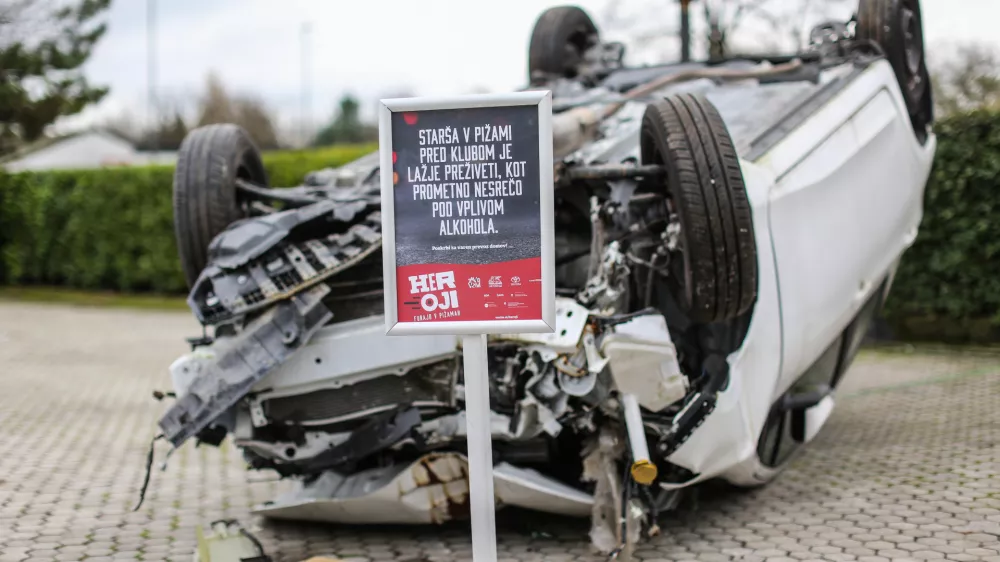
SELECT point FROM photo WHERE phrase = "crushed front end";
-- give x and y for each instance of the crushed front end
(300, 375)
(655, 287)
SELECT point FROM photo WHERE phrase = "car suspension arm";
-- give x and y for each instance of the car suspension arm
(291, 196)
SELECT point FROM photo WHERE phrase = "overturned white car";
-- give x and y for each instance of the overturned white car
(725, 230)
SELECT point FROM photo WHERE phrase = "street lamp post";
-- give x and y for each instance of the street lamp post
(151, 73)
(305, 109)
(685, 31)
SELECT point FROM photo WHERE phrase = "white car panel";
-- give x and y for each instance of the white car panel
(834, 196)
(729, 435)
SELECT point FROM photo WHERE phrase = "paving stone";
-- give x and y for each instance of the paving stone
(904, 470)
(981, 552)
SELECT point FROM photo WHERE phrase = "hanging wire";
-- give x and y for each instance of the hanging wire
(627, 498)
(149, 470)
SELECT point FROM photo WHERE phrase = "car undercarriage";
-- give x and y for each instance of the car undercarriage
(657, 257)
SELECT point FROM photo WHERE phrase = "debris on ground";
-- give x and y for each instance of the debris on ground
(228, 541)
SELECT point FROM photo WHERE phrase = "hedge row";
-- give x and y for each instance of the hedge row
(112, 228)
(948, 284)
(286, 168)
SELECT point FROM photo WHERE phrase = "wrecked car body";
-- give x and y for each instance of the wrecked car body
(725, 233)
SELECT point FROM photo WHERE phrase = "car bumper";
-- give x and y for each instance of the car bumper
(432, 489)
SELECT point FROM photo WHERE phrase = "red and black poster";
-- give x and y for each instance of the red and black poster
(467, 214)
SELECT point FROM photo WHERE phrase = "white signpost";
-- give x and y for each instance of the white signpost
(468, 242)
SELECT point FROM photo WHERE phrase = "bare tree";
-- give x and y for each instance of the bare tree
(168, 134)
(219, 106)
(648, 28)
(724, 20)
(124, 125)
(719, 27)
(165, 132)
(782, 23)
(967, 79)
(253, 116)
(216, 104)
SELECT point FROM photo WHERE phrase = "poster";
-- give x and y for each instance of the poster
(467, 206)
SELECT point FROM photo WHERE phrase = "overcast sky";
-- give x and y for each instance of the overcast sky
(372, 48)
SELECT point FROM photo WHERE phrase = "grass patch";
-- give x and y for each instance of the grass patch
(56, 295)
(978, 372)
(898, 348)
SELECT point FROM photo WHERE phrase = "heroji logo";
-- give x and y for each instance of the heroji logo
(437, 290)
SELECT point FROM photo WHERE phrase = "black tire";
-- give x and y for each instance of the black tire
(896, 26)
(561, 37)
(714, 273)
(209, 161)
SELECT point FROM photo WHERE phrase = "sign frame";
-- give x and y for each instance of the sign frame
(543, 100)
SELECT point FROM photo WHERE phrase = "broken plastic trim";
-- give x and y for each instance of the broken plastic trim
(291, 196)
(266, 343)
(375, 435)
(149, 470)
(253, 265)
(697, 408)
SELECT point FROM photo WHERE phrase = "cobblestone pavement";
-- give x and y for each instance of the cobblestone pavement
(907, 468)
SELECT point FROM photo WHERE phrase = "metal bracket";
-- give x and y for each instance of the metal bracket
(257, 417)
(595, 363)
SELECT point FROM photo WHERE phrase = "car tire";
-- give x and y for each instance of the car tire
(896, 26)
(209, 161)
(561, 36)
(713, 275)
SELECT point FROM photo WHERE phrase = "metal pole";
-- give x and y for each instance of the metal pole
(151, 69)
(304, 128)
(685, 32)
(480, 442)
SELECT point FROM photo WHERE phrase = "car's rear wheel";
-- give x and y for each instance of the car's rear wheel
(713, 269)
(561, 36)
(206, 199)
(896, 26)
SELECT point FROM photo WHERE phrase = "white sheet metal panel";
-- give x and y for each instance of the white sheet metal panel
(846, 204)
(351, 351)
(729, 435)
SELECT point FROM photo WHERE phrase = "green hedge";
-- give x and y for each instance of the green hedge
(112, 228)
(948, 285)
(286, 168)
